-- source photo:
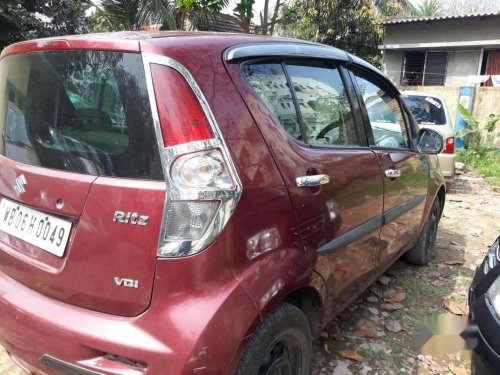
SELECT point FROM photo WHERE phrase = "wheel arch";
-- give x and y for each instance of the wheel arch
(310, 302)
(441, 194)
(308, 297)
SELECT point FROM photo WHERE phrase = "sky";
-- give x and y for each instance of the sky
(259, 7)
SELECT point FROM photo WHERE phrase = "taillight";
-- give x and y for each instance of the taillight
(203, 187)
(449, 146)
(181, 116)
(204, 169)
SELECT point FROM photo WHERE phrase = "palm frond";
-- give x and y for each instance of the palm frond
(119, 14)
(430, 8)
(160, 12)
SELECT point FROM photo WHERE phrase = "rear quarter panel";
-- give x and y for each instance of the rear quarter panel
(260, 241)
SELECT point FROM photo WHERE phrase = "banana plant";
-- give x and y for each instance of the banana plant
(475, 130)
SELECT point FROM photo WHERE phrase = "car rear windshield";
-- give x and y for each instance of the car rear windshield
(78, 111)
(427, 110)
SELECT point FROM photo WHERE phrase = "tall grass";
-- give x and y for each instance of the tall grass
(482, 160)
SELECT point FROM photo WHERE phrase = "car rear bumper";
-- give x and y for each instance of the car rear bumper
(163, 340)
(33, 325)
(447, 164)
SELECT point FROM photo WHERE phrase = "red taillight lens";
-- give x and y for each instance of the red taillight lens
(449, 146)
(181, 116)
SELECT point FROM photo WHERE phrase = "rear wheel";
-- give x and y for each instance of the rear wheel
(421, 254)
(281, 345)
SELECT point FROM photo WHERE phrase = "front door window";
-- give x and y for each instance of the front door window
(384, 112)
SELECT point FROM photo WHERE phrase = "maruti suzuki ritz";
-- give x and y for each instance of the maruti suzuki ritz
(196, 203)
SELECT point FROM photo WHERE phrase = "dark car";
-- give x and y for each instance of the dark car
(484, 302)
(198, 203)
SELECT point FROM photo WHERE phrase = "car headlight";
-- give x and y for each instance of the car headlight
(494, 295)
(493, 257)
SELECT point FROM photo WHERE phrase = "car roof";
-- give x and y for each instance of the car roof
(125, 41)
(162, 41)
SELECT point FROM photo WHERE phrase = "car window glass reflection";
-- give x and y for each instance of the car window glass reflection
(80, 111)
(323, 103)
(270, 83)
(384, 112)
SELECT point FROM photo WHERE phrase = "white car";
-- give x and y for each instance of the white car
(429, 110)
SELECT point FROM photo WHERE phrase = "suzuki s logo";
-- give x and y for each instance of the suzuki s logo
(19, 185)
(127, 283)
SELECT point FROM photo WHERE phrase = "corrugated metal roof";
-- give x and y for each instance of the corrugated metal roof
(440, 18)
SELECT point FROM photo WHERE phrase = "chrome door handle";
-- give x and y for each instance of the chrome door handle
(392, 173)
(313, 180)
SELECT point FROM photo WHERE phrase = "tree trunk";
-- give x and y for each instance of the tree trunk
(264, 19)
(274, 18)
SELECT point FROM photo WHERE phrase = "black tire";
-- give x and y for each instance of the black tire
(421, 253)
(281, 344)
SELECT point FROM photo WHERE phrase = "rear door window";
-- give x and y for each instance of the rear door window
(78, 111)
(323, 103)
(269, 81)
(308, 98)
(426, 110)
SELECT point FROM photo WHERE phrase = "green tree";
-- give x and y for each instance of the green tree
(113, 15)
(64, 17)
(28, 19)
(17, 22)
(394, 8)
(117, 15)
(430, 8)
(351, 25)
(243, 11)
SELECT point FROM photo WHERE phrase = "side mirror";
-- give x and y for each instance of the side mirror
(429, 142)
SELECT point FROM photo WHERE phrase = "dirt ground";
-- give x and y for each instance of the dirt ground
(382, 332)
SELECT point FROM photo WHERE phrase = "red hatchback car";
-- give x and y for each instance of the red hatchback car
(198, 203)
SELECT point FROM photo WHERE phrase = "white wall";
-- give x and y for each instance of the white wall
(461, 65)
(462, 38)
(392, 64)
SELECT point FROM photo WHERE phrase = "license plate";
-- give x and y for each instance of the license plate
(46, 231)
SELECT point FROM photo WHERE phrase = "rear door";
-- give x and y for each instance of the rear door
(406, 172)
(334, 181)
(81, 186)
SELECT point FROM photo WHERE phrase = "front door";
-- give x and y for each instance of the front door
(335, 182)
(405, 170)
